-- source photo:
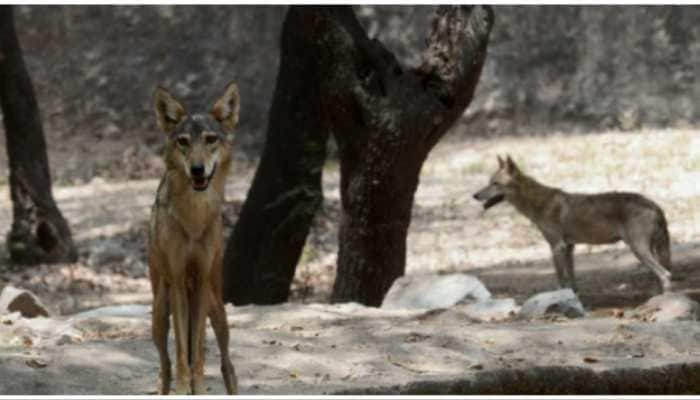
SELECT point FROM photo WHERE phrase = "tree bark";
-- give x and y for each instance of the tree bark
(386, 119)
(39, 233)
(267, 241)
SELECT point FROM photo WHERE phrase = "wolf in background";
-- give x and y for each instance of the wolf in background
(566, 219)
(186, 238)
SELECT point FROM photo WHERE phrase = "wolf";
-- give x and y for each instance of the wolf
(566, 219)
(186, 238)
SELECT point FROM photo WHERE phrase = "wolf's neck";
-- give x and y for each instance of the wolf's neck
(531, 197)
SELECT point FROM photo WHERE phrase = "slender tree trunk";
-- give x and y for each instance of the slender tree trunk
(263, 251)
(386, 119)
(39, 233)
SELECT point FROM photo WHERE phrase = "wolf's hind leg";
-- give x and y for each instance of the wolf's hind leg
(642, 250)
(661, 247)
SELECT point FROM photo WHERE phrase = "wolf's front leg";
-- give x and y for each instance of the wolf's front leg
(217, 315)
(198, 314)
(180, 306)
(160, 327)
(563, 258)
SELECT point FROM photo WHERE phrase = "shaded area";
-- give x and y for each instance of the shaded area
(606, 279)
(680, 378)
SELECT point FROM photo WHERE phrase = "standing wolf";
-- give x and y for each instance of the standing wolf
(185, 238)
(566, 219)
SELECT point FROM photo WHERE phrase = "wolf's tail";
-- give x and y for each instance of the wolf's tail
(661, 242)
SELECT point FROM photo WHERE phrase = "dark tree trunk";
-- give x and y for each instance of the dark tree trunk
(39, 233)
(263, 251)
(386, 119)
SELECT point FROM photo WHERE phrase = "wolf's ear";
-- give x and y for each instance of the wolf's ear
(226, 108)
(510, 166)
(169, 111)
(501, 163)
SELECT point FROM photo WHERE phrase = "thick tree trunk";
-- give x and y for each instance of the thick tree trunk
(263, 251)
(386, 119)
(39, 233)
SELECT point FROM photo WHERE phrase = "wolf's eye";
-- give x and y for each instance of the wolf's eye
(211, 139)
(183, 141)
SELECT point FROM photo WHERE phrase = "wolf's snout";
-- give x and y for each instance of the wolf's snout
(197, 170)
(476, 196)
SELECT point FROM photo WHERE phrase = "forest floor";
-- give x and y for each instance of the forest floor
(449, 230)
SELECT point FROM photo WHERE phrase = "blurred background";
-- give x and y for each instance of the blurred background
(550, 68)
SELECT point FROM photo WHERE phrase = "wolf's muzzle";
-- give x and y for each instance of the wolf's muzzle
(493, 201)
(489, 201)
(199, 181)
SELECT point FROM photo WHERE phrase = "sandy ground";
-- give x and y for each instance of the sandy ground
(449, 231)
(317, 349)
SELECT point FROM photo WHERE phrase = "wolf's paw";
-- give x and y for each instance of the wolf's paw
(198, 386)
(230, 379)
(164, 381)
(183, 388)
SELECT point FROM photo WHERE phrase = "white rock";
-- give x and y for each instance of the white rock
(434, 291)
(669, 307)
(23, 301)
(563, 301)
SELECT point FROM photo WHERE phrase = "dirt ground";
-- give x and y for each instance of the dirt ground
(449, 231)
(347, 348)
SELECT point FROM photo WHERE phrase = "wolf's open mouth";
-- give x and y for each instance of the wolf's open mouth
(493, 201)
(200, 183)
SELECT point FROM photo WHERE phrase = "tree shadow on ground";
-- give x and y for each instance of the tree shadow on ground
(606, 279)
